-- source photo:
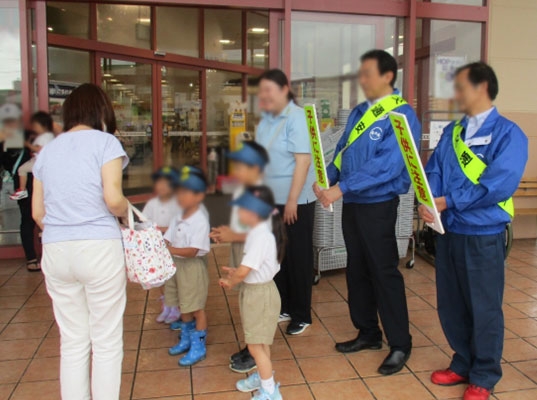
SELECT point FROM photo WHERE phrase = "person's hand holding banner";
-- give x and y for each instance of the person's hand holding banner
(428, 204)
(317, 155)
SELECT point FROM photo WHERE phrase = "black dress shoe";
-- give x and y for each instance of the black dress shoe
(395, 362)
(358, 344)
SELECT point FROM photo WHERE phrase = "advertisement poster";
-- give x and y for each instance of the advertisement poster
(444, 70)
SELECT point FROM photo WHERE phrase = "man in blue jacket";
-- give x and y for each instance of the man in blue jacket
(473, 173)
(369, 172)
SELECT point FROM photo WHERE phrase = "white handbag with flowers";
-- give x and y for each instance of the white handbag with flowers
(147, 258)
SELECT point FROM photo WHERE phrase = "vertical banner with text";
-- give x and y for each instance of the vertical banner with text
(414, 167)
(317, 154)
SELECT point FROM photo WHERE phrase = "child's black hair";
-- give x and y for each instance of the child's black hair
(278, 228)
(44, 119)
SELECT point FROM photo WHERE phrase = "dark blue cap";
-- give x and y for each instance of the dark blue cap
(248, 154)
(249, 201)
(192, 178)
(169, 173)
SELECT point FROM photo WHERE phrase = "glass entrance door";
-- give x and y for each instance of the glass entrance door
(181, 116)
(129, 85)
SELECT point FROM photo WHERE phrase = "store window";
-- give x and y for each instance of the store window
(177, 30)
(124, 24)
(442, 47)
(223, 35)
(10, 92)
(224, 95)
(257, 36)
(66, 18)
(326, 50)
(67, 69)
(10, 54)
(128, 83)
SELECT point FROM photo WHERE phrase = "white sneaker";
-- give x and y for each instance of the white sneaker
(284, 317)
(19, 195)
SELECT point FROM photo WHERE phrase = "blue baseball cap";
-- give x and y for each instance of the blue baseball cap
(170, 173)
(249, 201)
(192, 178)
(250, 153)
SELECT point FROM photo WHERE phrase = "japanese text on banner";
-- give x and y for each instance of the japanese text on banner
(412, 160)
(316, 146)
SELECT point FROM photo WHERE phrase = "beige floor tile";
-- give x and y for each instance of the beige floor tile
(427, 359)
(398, 387)
(11, 371)
(214, 379)
(518, 395)
(174, 382)
(512, 379)
(18, 349)
(301, 392)
(312, 346)
(44, 390)
(43, 369)
(441, 392)
(518, 350)
(321, 369)
(367, 362)
(342, 390)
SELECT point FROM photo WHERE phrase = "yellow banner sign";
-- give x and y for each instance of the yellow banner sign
(414, 166)
(316, 146)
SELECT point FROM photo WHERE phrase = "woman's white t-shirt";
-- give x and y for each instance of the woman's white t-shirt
(260, 254)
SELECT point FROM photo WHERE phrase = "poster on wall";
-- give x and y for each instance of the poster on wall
(57, 93)
(444, 70)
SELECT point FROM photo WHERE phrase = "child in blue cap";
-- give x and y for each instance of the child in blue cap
(248, 164)
(188, 242)
(259, 299)
(160, 210)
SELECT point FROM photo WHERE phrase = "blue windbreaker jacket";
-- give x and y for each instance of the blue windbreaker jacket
(372, 168)
(473, 209)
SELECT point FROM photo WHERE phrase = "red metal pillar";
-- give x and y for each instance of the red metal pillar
(410, 52)
(287, 38)
(26, 65)
(42, 54)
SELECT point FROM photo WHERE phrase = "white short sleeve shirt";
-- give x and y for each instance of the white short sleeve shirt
(161, 212)
(191, 232)
(260, 254)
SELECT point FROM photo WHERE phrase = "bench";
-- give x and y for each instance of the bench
(526, 188)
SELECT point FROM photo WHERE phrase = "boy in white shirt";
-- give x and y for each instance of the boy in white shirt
(160, 210)
(248, 164)
(259, 299)
(188, 242)
(42, 125)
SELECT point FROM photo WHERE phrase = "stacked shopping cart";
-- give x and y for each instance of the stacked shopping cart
(328, 242)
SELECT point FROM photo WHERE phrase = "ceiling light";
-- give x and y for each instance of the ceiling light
(63, 9)
(191, 84)
(259, 55)
(50, 28)
(225, 41)
(109, 19)
(113, 80)
(401, 37)
(107, 75)
(258, 30)
(144, 20)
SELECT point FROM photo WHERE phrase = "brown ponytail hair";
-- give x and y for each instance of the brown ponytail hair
(279, 78)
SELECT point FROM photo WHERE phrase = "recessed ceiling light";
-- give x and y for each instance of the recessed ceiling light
(225, 41)
(107, 75)
(258, 30)
(50, 28)
(259, 55)
(191, 84)
(109, 19)
(401, 37)
(113, 80)
(144, 20)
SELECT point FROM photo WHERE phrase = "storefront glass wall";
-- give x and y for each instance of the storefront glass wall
(326, 50)
(177, 30)
(124, 24)
(70, 19)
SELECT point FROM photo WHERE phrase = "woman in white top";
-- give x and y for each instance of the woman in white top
(259, 299)
(77, 197)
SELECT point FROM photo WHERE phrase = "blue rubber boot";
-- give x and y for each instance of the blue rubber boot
(197, 351)
(184, 343)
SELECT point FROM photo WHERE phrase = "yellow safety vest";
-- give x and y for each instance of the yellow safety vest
(473, 167)
(383, 107)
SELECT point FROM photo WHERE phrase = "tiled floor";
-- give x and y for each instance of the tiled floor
(308, 367)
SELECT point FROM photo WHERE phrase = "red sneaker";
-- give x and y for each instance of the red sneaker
(474, 392)
(447, 377)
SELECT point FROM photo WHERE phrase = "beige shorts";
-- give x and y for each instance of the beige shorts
(260, 308)
(189, 287)
(236, 254)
